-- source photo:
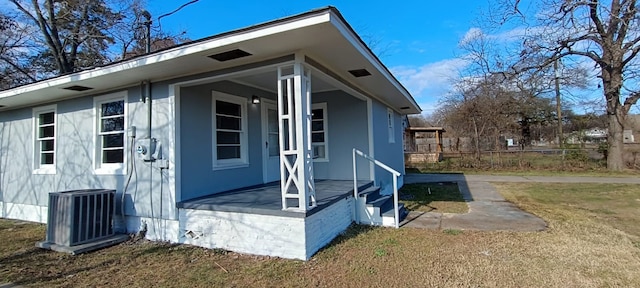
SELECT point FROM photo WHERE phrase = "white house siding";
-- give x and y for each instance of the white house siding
(347, 119)
(25, 195)
(391, 154)
(198, 177)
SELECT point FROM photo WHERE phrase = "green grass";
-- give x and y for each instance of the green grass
(527, 163)
(592, 240)
(531, 172)
(443, 197)
(452, 231)
(622, 174)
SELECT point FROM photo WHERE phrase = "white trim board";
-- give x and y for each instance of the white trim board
(243, 137)
(106, 168)
(177, 52)
(175, 173)
(355, 42)
(265, 134)
(37, 167)
(26, 212)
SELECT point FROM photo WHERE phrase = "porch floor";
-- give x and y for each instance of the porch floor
(266, 199)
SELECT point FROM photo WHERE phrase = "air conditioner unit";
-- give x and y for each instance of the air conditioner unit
(80, 216)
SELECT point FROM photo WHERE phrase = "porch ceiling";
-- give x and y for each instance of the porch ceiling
(268, 81)
(321, 34)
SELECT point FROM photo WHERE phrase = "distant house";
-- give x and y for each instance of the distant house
(632, 128)
(242, 141)
(596, 133)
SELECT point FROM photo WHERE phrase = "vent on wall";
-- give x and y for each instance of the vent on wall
(230, 55)
(80, 216)
(77, 88)
(359, 73)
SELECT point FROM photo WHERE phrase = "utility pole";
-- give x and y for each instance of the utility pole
(558, 104)
(147, 25)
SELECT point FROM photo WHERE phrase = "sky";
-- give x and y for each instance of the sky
(416, 40)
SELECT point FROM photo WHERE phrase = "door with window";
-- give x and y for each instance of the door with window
(270, 139)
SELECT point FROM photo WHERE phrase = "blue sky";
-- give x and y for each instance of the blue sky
(417, 40)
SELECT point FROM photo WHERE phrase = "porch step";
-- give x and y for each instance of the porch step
(370, 194)
(379, 201)
(380, 205)
(387, 210)
(362, 188)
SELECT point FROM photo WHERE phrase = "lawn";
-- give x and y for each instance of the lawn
(573, 163)
(592, 241)
(442, 197)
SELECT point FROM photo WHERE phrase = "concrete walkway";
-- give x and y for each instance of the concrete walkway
(488, 210)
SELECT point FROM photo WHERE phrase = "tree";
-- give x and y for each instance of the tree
(603, 32)
(13, 42)
(419, 121)
(65, 36)
(491, 103)
(74, 32)
(130, 33)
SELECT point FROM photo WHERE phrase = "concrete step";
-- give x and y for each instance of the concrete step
(386, 210)
(378, 202)
(370, 194)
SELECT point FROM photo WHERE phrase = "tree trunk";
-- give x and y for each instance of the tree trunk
(612, 84)
(477, 134)
(615, 142)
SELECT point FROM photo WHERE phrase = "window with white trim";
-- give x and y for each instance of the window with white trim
(319, 132)
(45, 139)
(229, 131)
(390, 126)
(111, 119)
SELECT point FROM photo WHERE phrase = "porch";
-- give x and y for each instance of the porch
(266, 199)
(251, 220)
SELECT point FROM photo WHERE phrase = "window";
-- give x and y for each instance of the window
(319, 132)
(392, 138)
(229, 131)
(45, 140)
(110, 142)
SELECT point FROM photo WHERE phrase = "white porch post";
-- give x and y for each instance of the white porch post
(294, 119)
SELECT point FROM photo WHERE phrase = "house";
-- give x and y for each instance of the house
(242, 141)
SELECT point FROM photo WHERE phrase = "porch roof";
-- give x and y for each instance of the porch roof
(322, 34)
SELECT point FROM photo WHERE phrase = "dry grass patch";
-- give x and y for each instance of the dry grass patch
(443, 197)
(591, 242)
(613, 205)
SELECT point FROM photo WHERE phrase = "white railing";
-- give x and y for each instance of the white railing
(395, 174)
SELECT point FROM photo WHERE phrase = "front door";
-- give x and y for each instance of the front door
(270, 147)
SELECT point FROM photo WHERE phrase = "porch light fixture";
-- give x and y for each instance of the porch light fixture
(255, 99)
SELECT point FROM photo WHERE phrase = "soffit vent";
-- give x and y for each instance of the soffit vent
(230, 55)
(359, 73)
(77, 88)
(404, 108)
